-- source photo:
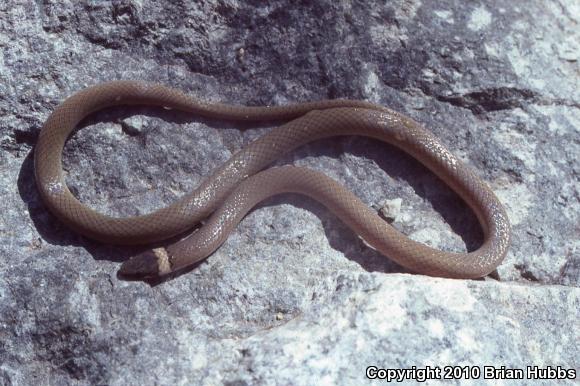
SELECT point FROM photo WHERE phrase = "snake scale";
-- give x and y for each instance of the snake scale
(224, 198)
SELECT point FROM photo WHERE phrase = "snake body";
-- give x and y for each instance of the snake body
(239, 184)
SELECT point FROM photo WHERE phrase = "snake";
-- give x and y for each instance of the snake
(224, 198)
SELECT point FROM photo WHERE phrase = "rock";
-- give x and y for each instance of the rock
(293, 297)
(391, 209)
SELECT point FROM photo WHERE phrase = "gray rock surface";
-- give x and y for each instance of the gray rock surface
(293, 297)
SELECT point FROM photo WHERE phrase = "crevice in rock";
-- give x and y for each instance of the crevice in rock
(526, 273)
(491, 99)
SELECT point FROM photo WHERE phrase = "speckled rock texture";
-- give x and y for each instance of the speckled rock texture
(293, 297)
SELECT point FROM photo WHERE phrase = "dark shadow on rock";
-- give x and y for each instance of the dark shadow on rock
(398, 165)
(393, 161)
(50, 228)
(156, 281)
(53, 231)
(117, 114)
(339, 235)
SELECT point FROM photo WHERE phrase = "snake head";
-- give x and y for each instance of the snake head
(149, 264)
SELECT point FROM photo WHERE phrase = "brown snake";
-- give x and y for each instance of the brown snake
(239, 184)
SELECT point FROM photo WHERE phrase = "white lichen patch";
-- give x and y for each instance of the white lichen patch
(555, 257)
(138, 122)
(453, 296)
(407, 9)
(480, 19)
(492, 49)
(563, 120)
(83, 298)
(524, 61)
(386, 35)
(468, 340)
(569, 49)
(518, 201)
(372, 86)
(519, 145)
(196, 354)
(436, 328)
(445, 15)
(428, 237)
(388, 303)
(568, 191)
(391, 209)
